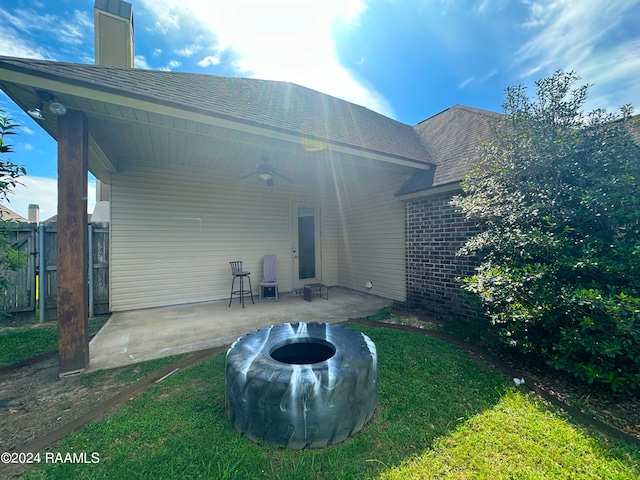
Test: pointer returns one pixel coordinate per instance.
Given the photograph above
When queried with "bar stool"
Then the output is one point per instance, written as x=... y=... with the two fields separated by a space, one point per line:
x=237 y=272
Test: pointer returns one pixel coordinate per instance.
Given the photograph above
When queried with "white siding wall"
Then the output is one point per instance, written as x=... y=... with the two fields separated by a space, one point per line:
x=329 y=232
x=174 y=231
x=371 y=241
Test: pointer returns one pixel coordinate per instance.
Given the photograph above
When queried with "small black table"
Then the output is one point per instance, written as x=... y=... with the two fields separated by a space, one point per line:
x=311 y=288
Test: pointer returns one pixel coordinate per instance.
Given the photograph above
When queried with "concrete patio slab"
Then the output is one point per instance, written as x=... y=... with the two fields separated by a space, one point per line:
x=141 y=335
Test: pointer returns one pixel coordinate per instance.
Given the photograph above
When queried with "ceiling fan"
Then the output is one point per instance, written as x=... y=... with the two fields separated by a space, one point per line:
x=266 y=172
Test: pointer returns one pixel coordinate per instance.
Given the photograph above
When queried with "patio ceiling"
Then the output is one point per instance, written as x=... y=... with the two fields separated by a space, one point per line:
x=152 y=136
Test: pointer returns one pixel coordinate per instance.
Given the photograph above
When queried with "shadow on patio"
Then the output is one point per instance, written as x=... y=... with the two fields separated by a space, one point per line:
x=141 y=335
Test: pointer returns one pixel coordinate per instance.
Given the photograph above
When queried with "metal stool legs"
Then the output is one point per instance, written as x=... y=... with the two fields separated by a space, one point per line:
x=241 y=292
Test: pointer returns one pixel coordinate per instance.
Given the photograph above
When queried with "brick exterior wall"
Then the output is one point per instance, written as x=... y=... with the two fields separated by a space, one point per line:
x=435 y=231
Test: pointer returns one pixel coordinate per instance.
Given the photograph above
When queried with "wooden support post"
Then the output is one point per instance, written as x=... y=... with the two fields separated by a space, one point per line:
x=72 y=249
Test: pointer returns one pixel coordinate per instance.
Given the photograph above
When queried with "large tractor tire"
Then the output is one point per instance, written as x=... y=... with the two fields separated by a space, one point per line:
x=301 y=385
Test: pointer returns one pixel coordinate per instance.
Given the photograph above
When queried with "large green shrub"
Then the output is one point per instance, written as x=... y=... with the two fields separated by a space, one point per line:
x=558 y=195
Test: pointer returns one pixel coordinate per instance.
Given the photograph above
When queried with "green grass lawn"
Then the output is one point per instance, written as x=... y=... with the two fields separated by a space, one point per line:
x=519 y=438
x=441 y=415
x=20 y=343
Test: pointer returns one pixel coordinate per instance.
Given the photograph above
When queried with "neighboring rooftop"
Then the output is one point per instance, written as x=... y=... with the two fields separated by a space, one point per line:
x=7 y=214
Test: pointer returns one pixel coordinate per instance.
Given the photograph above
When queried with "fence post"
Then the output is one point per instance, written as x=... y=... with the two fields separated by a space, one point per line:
x=41 y=271
x=90 y=271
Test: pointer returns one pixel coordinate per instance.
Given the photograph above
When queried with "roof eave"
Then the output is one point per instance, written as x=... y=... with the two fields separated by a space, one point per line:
x=39 y=80
x=448 y=188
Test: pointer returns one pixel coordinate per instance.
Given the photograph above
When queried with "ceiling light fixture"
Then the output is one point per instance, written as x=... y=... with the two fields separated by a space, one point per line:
x=265 y=176
x=55 y=106
x=37 y=111
x=312 y=145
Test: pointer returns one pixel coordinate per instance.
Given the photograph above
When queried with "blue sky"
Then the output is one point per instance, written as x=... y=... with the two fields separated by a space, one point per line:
x=406 y=59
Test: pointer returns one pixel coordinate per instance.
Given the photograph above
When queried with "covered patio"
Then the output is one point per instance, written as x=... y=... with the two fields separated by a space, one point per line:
x=141 y=335
x=196 y=171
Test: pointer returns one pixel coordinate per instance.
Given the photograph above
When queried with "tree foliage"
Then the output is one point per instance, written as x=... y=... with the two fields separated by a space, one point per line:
x=9 y=171
x=10 y=258
x=557 y=193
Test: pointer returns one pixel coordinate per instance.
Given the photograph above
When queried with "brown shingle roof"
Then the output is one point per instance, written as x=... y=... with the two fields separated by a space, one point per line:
x=278 y=105
x=450 y=137
x=453 y=135
x=634 y=128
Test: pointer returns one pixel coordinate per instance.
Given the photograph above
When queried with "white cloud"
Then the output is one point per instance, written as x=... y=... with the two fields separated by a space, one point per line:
x=614 y=75
x=139 y=61
x=288 y=40
x=489 y=75
x=73 y=31
x=482 y=7
x=14 y=45
x=43 y=192
x=189 y=50
x=466 y=82
x=208 y=61
x=26 y=130
x=25 y=32
x=537 y=13
x=577 y=35
x=480 y=79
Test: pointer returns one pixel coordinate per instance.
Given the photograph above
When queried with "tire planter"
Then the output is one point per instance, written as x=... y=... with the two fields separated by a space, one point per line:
x=301 y=385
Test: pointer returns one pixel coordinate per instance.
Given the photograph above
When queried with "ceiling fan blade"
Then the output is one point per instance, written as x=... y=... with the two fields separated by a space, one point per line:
x=257 y=172
x=270 y=182
x=275 y=172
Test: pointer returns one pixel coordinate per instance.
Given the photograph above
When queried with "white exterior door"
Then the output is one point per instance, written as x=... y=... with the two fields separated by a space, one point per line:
x=306 y=244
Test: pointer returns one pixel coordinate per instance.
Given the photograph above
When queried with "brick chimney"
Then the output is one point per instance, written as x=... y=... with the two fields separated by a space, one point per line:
x=113 y=24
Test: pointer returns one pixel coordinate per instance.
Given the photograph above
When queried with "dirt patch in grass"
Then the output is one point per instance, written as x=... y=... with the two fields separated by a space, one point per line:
x=35 y=401
x=36 y=405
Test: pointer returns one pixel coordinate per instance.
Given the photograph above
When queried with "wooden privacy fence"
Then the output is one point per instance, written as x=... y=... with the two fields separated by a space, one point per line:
x=32 y=289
